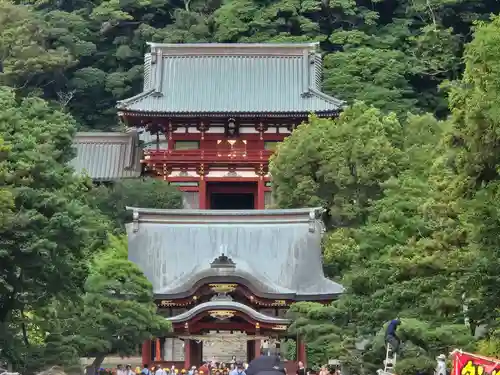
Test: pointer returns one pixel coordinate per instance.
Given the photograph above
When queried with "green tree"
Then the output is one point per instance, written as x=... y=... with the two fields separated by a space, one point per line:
x=49 y=231
x=339 y=164
x=392 y=54
x=28 y=59
x=327 y=335
x=118 y=308
x=473 y=152
x=6 y=197
x=403 y=257
x=491 y=345
x=114 y=314
x=148 y=192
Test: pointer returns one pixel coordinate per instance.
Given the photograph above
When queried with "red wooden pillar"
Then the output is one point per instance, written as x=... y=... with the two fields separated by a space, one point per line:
x=257 y=344
x=301 y=351
x=261 y=200
x=187 y=354
x=146 y=352
x=158 y=356
x=202 y=193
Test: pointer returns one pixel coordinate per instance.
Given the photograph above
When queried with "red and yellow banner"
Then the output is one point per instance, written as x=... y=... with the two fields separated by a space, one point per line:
x=473 y=364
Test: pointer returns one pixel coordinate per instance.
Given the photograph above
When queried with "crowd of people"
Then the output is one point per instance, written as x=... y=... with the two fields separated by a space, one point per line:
x=213 y=367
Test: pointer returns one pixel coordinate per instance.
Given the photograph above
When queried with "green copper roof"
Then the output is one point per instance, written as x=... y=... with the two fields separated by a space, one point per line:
x=277 y=253
x=107 y=156
x=276 y=79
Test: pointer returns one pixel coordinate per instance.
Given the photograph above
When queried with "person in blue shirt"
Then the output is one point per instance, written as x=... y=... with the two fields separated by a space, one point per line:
x=238 y=369
x=145 y=370
x=391 y=337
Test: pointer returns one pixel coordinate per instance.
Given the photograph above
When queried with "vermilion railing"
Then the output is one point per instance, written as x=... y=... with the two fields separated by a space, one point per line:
x=207 y=155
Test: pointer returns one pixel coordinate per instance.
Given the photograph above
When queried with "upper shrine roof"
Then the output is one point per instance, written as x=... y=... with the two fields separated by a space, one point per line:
x=106 y=156
x=232 y=79
x=275 y=253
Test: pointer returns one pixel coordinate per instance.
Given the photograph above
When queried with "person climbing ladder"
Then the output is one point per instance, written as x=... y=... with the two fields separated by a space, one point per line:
x=392 y=343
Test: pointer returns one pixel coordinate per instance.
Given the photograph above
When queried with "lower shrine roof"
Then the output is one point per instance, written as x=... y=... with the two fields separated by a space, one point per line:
x=227 y=305
x=232 y=79
x=275 y=253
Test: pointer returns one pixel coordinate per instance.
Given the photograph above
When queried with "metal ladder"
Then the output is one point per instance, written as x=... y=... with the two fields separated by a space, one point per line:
x=390 y=359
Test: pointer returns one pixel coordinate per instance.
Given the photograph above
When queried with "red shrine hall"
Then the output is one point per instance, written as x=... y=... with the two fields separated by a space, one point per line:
x=217 y=113
x=225 y=276
x=228 y=275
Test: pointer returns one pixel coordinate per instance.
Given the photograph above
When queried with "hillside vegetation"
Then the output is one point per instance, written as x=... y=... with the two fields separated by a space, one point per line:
x=409 y=173
x=86 y=55
x=413 y=219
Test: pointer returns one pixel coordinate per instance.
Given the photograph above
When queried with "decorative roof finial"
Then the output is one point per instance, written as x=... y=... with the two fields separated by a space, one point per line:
x=222 y=261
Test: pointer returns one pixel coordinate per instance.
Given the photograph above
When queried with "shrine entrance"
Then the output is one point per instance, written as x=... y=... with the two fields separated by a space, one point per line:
x=223 y=201
x=221 y=326
x=232 y=195
x=215 y=278
x=194 y=349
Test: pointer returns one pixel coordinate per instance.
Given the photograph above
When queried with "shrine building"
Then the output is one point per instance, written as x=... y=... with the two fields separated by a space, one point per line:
x=227 y=277
x=217 y=112
x=224 y=270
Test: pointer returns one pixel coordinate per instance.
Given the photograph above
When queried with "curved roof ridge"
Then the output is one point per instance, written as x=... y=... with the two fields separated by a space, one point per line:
x=228 y=305
x=329 y=98
x=134 y=99
x=259 y=284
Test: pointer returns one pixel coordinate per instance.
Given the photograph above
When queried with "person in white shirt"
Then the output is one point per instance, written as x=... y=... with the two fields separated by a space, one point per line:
x=120 y=370
x=159 y=371
x=441 y=365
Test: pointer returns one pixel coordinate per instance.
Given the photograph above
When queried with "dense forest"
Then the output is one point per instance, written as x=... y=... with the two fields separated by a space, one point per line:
x=86 y=55
x=409 y=173
x=413 y=221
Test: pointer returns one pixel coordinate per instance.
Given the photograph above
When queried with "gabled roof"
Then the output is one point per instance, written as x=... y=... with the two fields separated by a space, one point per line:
x=232 y=79
x=227 y=305
x=276 y=253
x=107 y=156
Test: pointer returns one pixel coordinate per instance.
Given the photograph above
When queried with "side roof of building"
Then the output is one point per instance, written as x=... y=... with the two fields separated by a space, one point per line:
x=107 y=156
x=232 y=79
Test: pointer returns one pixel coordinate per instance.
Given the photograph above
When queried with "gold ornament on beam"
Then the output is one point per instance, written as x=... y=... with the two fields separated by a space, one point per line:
x=223 y=288
x=166 y=303
x=279 y=302
x=221 y=314
x=280 y=327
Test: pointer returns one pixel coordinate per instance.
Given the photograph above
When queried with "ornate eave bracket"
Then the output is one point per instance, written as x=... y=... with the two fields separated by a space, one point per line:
x=135 y=221
x=315 y=220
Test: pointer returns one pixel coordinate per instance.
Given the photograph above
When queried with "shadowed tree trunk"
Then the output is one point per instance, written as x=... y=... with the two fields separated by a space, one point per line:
x=96 y=364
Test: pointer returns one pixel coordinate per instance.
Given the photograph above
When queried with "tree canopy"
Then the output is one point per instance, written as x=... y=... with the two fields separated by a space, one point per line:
x=113 y=199
x=118 y=311
x=67 y=289
x=413 y=213
x=47 y=230
x=86 y=56
x=408 y=173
